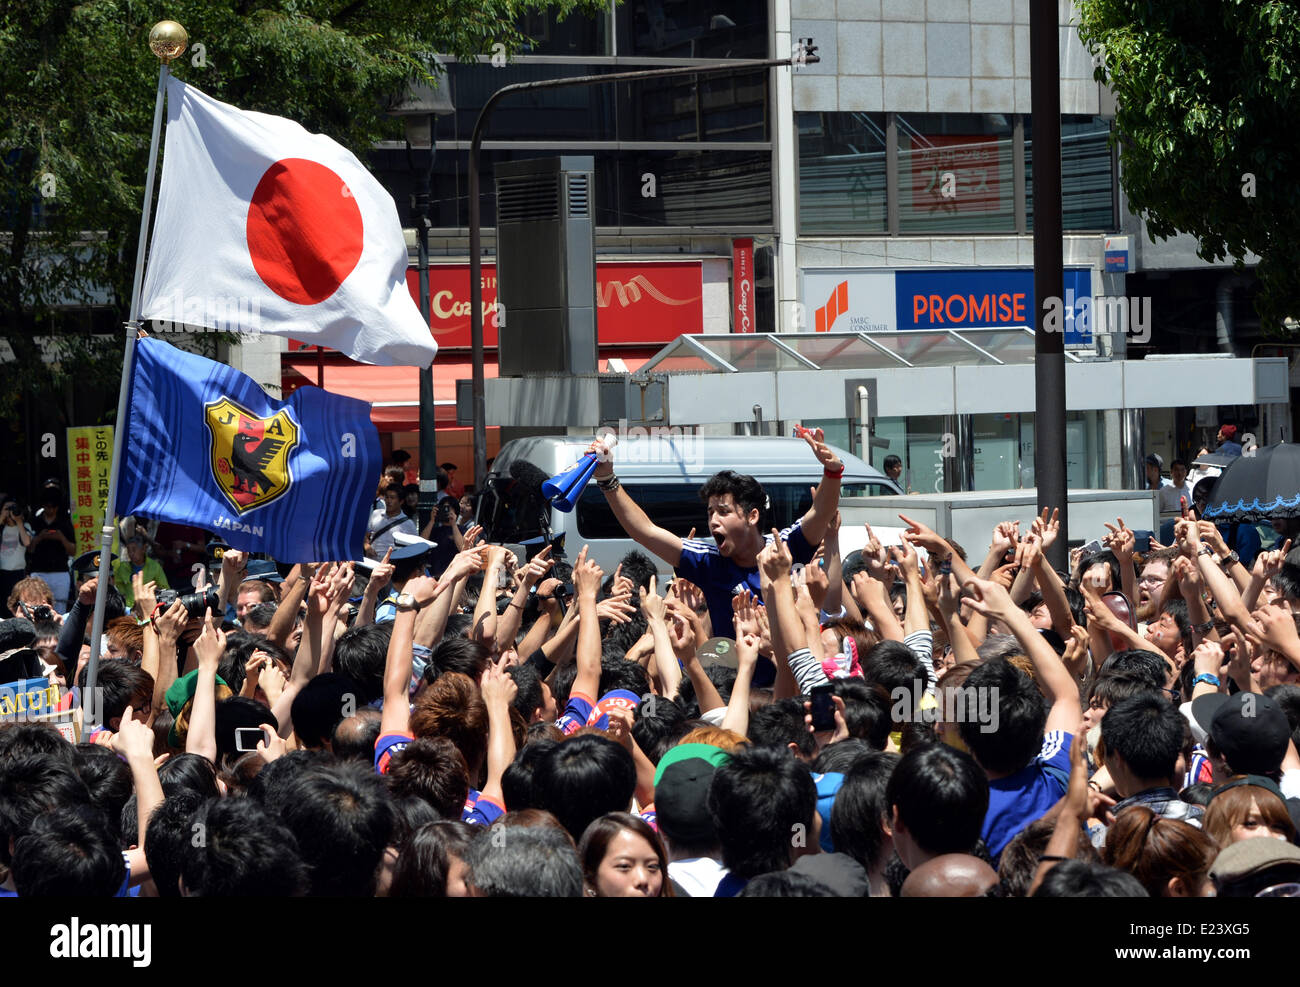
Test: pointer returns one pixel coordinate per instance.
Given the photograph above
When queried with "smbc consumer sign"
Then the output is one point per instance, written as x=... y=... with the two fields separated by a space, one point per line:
x=847 y=300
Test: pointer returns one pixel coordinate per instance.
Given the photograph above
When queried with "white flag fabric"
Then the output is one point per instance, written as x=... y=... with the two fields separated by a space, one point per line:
x=263 y=226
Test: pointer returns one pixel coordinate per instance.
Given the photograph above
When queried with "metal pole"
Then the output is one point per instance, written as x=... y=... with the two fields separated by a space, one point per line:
x=124 y=397
x=809 y=57
x=428 y=417
x=1049 y=271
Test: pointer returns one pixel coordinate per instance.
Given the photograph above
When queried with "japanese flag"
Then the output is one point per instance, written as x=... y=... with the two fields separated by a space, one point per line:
x=265 y=227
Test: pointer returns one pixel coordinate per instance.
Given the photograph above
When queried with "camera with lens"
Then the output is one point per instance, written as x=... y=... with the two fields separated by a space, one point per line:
x=42 y=612
x=195 y=603
x=563 y=594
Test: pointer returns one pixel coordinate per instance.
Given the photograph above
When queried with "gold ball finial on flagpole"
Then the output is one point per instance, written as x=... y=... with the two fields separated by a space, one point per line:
x=168 y=40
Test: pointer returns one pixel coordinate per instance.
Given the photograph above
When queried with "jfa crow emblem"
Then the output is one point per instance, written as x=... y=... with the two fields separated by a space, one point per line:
x=250 y=455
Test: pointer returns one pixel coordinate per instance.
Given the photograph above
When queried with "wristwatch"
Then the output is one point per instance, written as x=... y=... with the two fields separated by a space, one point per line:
x=407 y=603
x=1205 y=550
x=1231 y=559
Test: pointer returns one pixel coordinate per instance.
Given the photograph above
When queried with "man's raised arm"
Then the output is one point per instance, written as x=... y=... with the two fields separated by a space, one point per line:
x=631 y=517
x=827 y=499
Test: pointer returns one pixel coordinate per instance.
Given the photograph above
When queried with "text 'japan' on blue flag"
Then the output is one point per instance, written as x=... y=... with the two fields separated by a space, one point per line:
x=204 y=445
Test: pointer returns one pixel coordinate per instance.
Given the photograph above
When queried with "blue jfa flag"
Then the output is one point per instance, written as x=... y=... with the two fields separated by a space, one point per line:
x=206 y=446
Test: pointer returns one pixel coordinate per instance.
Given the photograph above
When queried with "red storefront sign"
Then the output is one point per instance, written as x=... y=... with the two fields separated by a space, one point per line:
x=742 y=285
x=956 y=174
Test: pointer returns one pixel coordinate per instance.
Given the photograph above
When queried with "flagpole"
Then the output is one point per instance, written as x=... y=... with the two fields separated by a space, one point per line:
x=168 y=40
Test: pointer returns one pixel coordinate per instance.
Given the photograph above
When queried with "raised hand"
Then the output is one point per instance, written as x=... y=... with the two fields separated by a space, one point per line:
x=86 y=595
x=1047 y=528
x=1121 y=540
x=1006 y=535
x=133 y=740
x=652 y=604
x=146 y=594
x=382 y=574
x=824 y=453
x=1029 y=552
x=538 y=567
x=918 y=534
x=689 y=594
x=1275 y=626
x=171 y=623
x=498 y=687
x=989 y=598
x=587 y=575
x=775 y=559
x=906 y=557
x=211 y=645
x=1269 y=564
x=745 y=613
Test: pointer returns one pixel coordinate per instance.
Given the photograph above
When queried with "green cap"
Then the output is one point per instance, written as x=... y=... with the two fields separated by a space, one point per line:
x=178 y=694
x=684 y=752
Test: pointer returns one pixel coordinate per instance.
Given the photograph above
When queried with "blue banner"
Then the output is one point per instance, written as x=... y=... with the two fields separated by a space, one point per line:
x=981 y=299
x=206 y=446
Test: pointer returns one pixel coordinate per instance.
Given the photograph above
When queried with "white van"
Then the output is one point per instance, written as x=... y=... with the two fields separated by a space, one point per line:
x=664 y=476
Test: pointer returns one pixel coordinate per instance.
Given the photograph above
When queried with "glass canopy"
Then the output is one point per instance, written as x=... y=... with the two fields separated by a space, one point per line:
x=736 y=352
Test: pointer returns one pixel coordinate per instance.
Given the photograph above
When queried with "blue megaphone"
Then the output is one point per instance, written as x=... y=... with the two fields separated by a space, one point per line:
x=564 y=490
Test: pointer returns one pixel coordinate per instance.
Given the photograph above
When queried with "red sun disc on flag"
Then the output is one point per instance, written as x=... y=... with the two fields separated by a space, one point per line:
x=305 y=233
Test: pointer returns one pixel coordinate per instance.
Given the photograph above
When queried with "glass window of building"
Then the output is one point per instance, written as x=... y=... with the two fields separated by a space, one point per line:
x=841 y=173
x=1087 y=174
x=955 y=173
x=690 y=29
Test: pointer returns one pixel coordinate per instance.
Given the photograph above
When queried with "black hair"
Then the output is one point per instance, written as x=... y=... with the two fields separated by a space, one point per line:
x=1084 y=879
x=1019 y=859
x=1022 y=716
x=260 y=615
x=529 y=862
x=941 y=796
x=108 y=780
x=409 y=814
x=779 y=724
x=341 y=816
x=1076 y=602
x=866 y=710
x=562 y=680
x=583 y=778
x=657 y=724
x=360 y=653
x=638 y=567
x=167 y=839
x=189 y=773
x=745 y=491
x=271 y=785
x=1105 y=557
x=240 y=850
x=860 y=809
x=892 y=461
x=1147 y=732
x=235 y=713
x=529 y=697
x=423 y=862
x=457 y=654
x=760 y=801
x=1111 y=688
x=622 y=674
x=841 y=756
x=785 y=884
x=517 y=780
x=432 y=769
x=1287 y=579
x=321 y=704
x=895 y=667
x=851 y=565
x=240 y=646
x=119 y=683
x=1287 y=698
x=1177 y=607
x=32 y=785
x=1140 y=663
x=23 y=739
x=68 y=851
x=354 y=737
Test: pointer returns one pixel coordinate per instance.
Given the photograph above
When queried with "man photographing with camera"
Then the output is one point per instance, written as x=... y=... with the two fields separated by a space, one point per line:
x=53 y=543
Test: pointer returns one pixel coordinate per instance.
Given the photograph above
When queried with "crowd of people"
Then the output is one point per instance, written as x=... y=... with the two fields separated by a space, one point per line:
x=778 y=719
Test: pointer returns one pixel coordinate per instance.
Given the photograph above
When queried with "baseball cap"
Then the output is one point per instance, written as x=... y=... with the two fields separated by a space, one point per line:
x=1254 y=864
x=1155 y=460
x=1250 y=730
x=1229 y=431
x=682 y=801
x=682 y=752
x=615 y=699
x=718 y=651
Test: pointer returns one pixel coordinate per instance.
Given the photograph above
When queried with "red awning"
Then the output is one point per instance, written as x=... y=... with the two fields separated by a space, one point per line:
x=394 y=392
